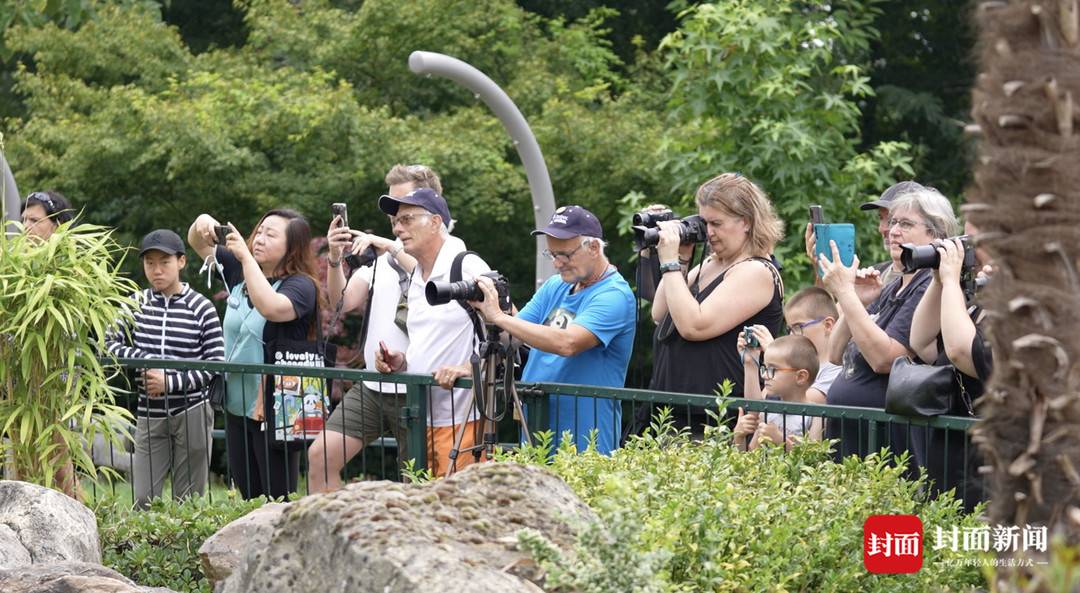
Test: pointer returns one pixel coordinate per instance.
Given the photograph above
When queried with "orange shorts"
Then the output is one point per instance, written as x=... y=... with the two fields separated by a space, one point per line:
x=440 y=440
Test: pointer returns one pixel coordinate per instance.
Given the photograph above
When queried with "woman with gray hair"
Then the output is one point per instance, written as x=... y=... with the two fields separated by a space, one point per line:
x=875 y=321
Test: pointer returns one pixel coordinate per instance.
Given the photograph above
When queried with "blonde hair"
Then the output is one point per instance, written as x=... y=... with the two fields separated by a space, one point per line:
x=798 y=352
x=737 y=196
x=418 y=175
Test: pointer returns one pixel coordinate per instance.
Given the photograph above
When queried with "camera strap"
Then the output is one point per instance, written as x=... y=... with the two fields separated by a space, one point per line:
x=455 y=276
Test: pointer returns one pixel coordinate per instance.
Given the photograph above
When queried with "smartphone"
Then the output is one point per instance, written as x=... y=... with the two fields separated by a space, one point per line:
x=222 y=231
x=844 y=236
x=816 y=216
x=339 y=209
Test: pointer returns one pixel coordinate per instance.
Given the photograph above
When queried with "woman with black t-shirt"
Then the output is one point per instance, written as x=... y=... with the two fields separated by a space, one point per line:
x=700 y=312
x=875 y=321
x=273 y=295
x=946 y=330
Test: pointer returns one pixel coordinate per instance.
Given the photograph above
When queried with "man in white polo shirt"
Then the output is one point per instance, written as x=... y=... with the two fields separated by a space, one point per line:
x=441 y=337
x=371 y=408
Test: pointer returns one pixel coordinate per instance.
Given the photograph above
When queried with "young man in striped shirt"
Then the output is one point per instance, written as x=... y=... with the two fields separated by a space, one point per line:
x=174 y=418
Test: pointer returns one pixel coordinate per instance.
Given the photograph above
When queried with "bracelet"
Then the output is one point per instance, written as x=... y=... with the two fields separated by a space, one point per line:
x=332 y=263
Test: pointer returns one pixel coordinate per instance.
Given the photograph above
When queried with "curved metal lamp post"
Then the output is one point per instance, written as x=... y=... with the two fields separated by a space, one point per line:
x=9 y=191
x=423 y=62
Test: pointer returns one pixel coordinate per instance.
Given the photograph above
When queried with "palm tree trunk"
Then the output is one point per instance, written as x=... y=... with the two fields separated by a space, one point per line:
x=1026 y=201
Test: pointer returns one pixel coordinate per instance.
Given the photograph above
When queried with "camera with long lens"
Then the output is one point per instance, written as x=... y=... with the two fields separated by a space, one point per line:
x=650 y=218
x=691 y=230
x=440 y=293
x=919 y=257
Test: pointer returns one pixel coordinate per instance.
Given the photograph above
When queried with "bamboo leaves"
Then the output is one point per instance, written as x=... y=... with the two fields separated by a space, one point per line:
x=58 y=297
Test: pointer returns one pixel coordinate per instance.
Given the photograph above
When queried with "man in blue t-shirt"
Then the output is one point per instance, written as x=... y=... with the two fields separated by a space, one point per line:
x=580 y=325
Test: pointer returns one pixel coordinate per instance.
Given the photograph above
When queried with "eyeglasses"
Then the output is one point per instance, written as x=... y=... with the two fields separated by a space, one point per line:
x=798 y=328
x=904 y=224
x=769 y=372
x=562 y=258
x=406 y=219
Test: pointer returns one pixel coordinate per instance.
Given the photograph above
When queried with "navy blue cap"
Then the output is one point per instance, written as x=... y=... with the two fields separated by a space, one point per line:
x=893 y=192
x=572 y=221
x=426 y=198
x=162 y=240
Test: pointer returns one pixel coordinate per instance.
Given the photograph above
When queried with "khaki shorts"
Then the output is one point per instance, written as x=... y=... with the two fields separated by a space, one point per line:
x=367 y=414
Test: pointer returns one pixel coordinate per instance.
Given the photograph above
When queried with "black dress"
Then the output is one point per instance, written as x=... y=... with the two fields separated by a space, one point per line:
x=684 y=366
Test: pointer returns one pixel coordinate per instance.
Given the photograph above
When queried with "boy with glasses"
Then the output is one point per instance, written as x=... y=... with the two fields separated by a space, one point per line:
x=789 y=367
x=811 y=313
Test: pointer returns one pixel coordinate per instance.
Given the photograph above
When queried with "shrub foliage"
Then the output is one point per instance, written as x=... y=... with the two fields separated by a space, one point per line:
x=707 y=517
x=159 y=547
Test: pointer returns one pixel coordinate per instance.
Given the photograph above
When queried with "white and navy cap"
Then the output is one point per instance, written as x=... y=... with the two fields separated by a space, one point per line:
x=572 y=221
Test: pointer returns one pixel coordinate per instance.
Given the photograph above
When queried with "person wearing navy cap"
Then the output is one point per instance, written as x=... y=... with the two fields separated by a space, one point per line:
x=580 y=325
x=173 y=419
x=440 y=336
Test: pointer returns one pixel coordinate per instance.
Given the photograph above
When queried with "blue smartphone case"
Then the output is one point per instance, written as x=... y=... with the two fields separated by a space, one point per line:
x=844 y=236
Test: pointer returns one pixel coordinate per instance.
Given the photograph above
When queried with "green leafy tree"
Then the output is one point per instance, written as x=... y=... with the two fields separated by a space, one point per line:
x=317 y=106
x=771 y=89
x=57 y=299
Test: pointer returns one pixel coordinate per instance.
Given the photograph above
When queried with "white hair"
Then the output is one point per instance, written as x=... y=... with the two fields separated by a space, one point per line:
x=586 y=241
x=934 y=208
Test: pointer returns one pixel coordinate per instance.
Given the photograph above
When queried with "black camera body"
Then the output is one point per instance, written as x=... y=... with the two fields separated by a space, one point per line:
x=919 y=257
x=440 y=293
x=691 y=230
x=751 y=339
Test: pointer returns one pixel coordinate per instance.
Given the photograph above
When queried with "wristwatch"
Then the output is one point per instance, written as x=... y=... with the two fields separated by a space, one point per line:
x=671 y=266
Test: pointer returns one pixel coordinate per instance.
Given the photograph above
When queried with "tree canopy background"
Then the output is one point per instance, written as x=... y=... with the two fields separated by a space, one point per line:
x=146 y=114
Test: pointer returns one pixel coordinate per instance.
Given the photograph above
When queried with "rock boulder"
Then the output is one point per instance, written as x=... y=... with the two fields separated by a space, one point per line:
x=69 y=577
x=456 y=534
x=221 y=553
x=39 y=525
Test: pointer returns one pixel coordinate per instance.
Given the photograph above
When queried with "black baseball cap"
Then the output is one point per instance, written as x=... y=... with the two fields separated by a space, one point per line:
x=572 y=221
x=893 y=192
x=425 y=197
x=162 y=240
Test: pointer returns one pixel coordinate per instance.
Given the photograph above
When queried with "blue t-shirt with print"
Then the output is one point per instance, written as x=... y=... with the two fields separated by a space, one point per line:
x=606 y=309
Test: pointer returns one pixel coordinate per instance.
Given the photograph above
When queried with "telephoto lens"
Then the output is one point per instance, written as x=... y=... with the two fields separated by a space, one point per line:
x=691 y=230
x=650 y=218
x=440 y=293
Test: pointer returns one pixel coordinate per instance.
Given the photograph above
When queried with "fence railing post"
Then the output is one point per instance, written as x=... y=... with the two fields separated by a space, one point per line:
x=415 y=418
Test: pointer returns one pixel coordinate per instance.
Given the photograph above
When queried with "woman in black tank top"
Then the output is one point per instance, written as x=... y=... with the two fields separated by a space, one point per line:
x=700 y=312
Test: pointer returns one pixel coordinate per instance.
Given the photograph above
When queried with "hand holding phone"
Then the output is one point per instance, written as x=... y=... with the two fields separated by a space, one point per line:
x=339 y=209
x=221 y=232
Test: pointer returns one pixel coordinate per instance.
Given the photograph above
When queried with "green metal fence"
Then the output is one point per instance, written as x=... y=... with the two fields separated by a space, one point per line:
x=870 y=428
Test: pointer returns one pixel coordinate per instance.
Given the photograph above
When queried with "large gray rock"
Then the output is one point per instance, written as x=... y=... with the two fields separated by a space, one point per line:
x=69 y=577
x=221 y=553
x=456 y=534
x=43 y=525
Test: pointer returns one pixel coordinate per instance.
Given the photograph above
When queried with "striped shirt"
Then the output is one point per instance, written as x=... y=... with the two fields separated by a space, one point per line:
x=184 y=326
